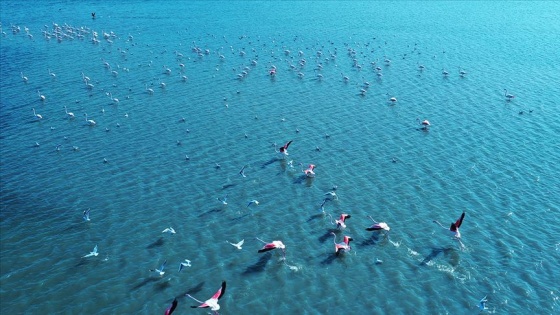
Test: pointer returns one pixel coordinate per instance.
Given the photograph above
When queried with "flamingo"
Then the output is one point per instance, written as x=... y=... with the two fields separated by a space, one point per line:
x=70 y=114
x=340 y=223
x=41 y=96
x=150 y=91
x=377 y=226
x=284 y=148
x=508 y=96
x=212 y=302
x=52 y=74
x=392 y=99
x=24 y=78
x=91 y=122
x=344 y=246
x=454 y=228
x=115 y=100
x=309 y=171
x=38 y=116
x=272 y=245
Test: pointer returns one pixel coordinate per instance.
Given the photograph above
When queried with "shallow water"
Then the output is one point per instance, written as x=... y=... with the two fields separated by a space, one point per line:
x=481 y=155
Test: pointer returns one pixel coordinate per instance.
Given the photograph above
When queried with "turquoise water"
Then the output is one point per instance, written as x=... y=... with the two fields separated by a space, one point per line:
x=481 y=155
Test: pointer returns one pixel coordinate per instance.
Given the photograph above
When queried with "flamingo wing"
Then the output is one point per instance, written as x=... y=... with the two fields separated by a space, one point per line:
x=171 y=308
x=267 y=248
x=287 y=145
x=220 y=292
x=460 y=220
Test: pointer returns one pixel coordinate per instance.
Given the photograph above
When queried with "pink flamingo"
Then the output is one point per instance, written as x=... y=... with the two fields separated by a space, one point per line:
x=212 y=302
x=344 y=246
x=309 y=172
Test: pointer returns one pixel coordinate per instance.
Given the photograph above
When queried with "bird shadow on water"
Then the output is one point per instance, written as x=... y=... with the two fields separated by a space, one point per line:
x=215 y=210
x=192 y=290
x=157 y=243
x=259 y=266
x=334 y=257
x=162 y=285
x=144 y=282
x=375 y=239
x=271 y=161
x=315 y=217
x=226 y=186
x=449 y=252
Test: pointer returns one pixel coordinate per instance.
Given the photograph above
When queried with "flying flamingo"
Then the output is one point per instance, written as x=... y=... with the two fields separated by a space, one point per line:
x=273 y=245
x=309 y=171
x=340 y=223
x=454 y=228
x=424 y=123
x=284 y=149
x=342 y=247
x=378 y=226
x=212 y=302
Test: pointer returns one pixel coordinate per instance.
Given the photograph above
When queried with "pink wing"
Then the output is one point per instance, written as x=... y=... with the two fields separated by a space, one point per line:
x=220 y=292
x=460 y=221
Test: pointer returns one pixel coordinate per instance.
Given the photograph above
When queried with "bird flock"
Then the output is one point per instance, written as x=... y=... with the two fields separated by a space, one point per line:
x=246 y=56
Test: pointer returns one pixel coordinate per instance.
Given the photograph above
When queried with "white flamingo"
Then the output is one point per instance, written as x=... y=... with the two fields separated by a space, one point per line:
x=24 y=78
x=70 y=114
x=150 y=91
x=38 y=116
x=52 y=74
x=115 y=100
x=91 y=122
x=41 y=96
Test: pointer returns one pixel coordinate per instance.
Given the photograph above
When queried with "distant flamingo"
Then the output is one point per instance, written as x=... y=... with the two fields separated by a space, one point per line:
x=38 y=116
x=284 y=148
x=508 y=96
x=150 y=91
x=115 y=100
x=24 y=78
x=91 y=122
x=41 y=96
x=309 y=172
x=70 y=114
x=52 y=74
